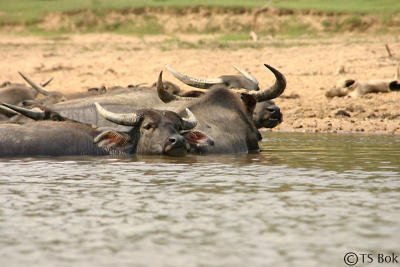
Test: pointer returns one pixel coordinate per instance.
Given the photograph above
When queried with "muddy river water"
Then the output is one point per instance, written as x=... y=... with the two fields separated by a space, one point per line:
x=305 y=200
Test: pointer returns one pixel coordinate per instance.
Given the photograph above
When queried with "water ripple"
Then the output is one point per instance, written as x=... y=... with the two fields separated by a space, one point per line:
x=304 y=201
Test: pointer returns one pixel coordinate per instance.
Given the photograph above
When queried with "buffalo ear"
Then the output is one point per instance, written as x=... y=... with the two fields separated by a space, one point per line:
x=249 y=101
x=197 y=137
x=113 y=140
x=199 y=142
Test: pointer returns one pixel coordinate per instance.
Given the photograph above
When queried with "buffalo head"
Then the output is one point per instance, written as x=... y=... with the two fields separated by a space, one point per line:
x=15 y=93
x=153 y=131
x=266 y=94
x=267 y=114
x=150 y=131
x=50 y=97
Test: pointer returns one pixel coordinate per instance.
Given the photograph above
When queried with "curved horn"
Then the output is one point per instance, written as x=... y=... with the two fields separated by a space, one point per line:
x=38 y=88
x=194 y=82
x=127 y=119
x=246 y=74
x=35 y=115
x=163 y=94
x=166 y=96
x=275 y=90
x=190 y=122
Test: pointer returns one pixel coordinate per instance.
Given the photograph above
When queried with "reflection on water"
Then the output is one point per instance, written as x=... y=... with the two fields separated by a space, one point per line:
x=305 y=200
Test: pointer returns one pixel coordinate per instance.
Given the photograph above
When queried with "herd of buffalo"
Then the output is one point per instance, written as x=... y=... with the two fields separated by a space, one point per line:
x=221 y=115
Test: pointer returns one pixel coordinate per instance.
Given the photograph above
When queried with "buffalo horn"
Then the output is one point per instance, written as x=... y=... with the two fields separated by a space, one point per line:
x=246 y=74
x=194 y=82
x=275 y=90
x=36 y=86
x=163 y=94
x=166 y=96
x=35 y=115
x=190 y=122
x=127 y=119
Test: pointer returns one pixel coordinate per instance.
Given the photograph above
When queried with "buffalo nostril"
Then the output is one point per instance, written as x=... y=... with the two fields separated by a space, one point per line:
x=172 y=140
x=273 y=109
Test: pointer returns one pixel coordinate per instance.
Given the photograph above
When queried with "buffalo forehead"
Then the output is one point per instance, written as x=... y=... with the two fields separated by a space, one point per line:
x=160 y=116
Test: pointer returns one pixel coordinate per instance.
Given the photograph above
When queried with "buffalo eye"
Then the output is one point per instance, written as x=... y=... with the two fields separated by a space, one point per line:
x=148 y=126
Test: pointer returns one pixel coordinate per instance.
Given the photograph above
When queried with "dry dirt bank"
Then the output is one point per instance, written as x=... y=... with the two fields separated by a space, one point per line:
x=83 y=61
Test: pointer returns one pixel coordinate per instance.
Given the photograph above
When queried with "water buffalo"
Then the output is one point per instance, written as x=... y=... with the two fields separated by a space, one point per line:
x=353 y=88
x=130 y=99
x=150 y=131
x=15 y=93
x=224 y=116
x=53 y=97
x=266 y=114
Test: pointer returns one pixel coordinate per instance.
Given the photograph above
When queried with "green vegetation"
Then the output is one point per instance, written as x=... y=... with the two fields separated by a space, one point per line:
x=172 y=43
x=149 y=25
x=240 y=36
x=350 y=23
x=358 y=6
x=146 y=17
x=292 y=28
x=29 y=11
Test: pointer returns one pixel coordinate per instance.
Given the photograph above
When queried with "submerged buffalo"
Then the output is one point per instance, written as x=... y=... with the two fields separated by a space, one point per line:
x=53 y=97
x=16 y=93
x=149 y=131
x=225 y=123
x=128 y=99
x=225 y=115
x=266 y=114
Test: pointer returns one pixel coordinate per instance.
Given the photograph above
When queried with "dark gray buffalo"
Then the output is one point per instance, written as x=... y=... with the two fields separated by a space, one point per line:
x=16 y=93
x=266 y=114
x=120 y=99
x=53 y=97
x=224 y=116
x=225 y=123
x=149 y=131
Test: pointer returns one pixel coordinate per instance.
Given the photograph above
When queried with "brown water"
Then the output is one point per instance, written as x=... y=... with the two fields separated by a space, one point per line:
x=305 y=200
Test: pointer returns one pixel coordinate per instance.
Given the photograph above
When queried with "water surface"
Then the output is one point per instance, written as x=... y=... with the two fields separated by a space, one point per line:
x=305 y=200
